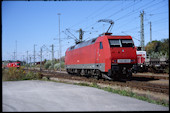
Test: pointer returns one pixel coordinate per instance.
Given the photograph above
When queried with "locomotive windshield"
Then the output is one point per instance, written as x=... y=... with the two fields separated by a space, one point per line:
x=114 y=43
x=121 y=43
x=127 y=43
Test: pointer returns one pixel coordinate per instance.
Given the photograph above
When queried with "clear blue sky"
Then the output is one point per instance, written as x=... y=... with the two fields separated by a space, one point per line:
x=25 y=23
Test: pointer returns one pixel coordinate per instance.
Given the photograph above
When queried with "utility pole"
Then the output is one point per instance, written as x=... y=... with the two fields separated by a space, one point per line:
x=52 y=55
x=30 y=62
x=14 y=55
x=150 y=32
x=41 y=59
x=23 y=59
x=27 y=60
x=142 y=31
x=34 y=56
x=59 y=40
x=16 y=49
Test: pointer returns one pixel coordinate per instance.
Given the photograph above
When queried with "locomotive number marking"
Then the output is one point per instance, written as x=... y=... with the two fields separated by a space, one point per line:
x=123 y=60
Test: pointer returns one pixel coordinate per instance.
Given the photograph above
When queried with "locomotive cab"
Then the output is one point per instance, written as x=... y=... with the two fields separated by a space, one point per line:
x=123 y=56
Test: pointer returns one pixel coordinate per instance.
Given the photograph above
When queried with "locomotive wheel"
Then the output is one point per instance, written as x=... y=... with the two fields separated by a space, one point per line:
x=113 y=75
x=98 y=75
x=78 y=72
x=68 y=71
x=129 y=75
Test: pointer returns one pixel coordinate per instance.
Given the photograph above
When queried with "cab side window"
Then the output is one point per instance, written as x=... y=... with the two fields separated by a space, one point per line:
x=101 y=45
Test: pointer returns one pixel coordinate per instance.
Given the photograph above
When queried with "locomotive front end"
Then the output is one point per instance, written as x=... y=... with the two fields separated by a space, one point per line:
x=123 y=56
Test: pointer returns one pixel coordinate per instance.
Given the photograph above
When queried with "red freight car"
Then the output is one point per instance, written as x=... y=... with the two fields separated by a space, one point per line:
x=13 y=64
x=105 y=56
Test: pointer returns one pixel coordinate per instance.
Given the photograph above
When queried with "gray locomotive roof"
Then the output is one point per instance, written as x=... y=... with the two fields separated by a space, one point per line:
x=83 y=44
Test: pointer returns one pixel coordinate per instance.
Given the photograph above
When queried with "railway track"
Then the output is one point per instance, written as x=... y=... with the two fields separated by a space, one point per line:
x=140 y=85
x=152 y=76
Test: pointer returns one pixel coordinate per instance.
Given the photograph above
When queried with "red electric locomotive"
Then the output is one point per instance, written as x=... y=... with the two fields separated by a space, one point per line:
x=106 y=56
x=13 y=64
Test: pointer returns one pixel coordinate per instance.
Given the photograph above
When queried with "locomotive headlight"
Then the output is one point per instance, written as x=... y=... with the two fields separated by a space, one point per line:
x=113 y=61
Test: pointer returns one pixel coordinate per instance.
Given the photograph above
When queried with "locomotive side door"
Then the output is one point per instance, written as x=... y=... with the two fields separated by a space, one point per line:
x=99 y=48
x=97 y=53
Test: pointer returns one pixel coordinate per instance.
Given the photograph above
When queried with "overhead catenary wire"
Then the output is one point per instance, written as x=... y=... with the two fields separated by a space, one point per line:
x=122 y=9
x=157 y=21
x=94 y=25
x=136 y=10
x=114 y=13
x=132 y=12
x=88 y=16
x=99 y=14
x=97 y=22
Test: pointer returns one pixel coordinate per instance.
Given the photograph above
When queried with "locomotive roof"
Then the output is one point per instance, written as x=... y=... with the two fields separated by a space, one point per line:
x=120 y=37
x=82 y=44
x=91 y=41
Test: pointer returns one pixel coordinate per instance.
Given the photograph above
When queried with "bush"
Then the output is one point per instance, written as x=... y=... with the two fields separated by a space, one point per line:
x=57 y=65
x=62 y=65
x=47 y=64
x=13 y=74
x=31 y=76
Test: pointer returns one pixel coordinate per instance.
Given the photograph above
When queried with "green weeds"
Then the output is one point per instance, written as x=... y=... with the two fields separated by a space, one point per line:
x=14 y=74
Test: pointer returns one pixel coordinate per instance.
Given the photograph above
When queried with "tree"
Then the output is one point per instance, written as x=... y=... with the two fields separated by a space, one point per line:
x=153 y=46
x=165 y=46
x=45 y=60
x=158 y=48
